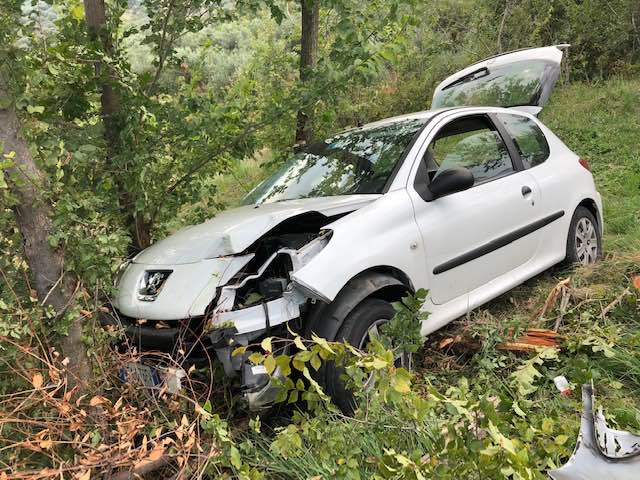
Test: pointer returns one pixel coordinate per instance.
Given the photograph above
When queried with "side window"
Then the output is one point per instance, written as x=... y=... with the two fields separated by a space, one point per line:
x=529 y=139
x=473 y=143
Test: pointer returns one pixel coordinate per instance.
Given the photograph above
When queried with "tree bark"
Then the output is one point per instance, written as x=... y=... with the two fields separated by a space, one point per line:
x=308 y=62
x=95 y=18
x=54 y=286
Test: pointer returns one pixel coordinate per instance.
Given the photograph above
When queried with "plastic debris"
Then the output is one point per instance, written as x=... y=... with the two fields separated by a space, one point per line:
x=562 y=384
x=173 y=379
x=601 y=452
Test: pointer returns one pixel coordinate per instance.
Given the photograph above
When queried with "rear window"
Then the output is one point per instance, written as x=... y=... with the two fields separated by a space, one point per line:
x=509 y=85
x=528 y=137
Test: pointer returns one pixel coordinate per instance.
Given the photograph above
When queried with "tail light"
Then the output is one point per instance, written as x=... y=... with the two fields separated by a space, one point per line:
x=584 y=163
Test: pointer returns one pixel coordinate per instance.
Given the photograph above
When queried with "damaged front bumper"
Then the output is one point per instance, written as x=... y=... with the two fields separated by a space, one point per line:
x=244 y=300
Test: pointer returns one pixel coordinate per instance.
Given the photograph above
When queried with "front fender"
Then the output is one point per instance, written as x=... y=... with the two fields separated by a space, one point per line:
x=382 y=233
x=326 y=318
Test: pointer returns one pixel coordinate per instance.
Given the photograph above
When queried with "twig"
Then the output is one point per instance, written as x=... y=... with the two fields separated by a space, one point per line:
x=144 y=468
x=553 y=296
x=616 y=302
x=564 y=303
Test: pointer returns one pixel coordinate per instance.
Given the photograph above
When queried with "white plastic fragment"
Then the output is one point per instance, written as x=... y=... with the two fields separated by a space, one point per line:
x=173 y=379
x=562 y=384
x=601 y=452
x=258 y=369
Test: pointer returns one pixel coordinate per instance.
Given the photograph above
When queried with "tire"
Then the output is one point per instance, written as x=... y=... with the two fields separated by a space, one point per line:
x=584 y=241
x=354 y=330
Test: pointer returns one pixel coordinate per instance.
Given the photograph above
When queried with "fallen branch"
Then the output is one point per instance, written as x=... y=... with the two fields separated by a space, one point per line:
x=532 y=339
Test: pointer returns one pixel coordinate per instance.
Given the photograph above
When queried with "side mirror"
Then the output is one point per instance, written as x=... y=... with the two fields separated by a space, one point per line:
x=451 y=181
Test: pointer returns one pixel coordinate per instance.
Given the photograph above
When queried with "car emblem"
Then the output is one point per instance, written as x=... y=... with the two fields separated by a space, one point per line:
x=151 y=283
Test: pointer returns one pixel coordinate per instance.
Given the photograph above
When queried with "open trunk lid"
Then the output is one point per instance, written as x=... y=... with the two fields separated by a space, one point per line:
x=522 y=79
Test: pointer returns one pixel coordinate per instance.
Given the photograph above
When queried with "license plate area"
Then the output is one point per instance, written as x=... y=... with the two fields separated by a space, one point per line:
x=142 y=375
x=148 y=376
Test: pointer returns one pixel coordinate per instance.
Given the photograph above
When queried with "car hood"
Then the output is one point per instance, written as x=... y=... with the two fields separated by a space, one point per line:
x=234 y=230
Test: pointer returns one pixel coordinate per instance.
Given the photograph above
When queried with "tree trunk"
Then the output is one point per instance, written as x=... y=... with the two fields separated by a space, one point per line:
x=95 y=18
x=308 y=62
x=53 y=285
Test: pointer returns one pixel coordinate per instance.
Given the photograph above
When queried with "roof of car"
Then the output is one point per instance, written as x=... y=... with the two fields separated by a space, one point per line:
x=424 y=115
x=428 y=114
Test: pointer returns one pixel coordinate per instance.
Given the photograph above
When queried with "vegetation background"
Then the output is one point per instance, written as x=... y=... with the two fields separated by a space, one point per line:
x=121 y=122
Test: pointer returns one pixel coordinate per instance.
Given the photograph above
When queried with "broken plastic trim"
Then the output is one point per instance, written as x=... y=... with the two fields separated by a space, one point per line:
x=309 y=291
x=600 y=452
x=280 y=310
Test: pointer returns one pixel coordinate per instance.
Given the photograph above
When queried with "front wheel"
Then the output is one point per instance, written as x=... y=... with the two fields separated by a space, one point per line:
x=359 y=326
x=584 y=242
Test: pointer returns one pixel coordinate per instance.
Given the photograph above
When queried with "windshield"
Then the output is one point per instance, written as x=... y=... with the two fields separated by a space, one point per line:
x=509 y=85
x=353 y=162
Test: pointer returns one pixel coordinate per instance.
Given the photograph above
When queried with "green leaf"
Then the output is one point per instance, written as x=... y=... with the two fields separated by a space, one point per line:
x=388 y=54
x=270 y=364
x=323 y=343
x=77 y=12
x=35 y=109
x=256 y=358
x=315 y=362
x=239 y=351
x=284 y=362
x=234 y=456
x=518 y=410
x=401 y=381
x=299 y=343
x=53 y=70
x=303 y=356
x=298 y=365
x=266 y=345
x=376 y=363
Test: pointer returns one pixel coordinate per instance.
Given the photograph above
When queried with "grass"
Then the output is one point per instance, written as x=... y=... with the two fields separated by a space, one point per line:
x=602 y=123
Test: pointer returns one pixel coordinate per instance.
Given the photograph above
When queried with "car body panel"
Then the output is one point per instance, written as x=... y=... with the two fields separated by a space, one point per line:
x=459 y=223
x=180 y=291
x=600 y=452
x=383 y=234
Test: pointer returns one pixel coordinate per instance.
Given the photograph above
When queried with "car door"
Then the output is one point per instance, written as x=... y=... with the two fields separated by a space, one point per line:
x=477 y=235
x=522 y=79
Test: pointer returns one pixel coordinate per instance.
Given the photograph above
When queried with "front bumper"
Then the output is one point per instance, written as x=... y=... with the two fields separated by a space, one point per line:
x=170 y=337
x=188 y=344
x=209 y=308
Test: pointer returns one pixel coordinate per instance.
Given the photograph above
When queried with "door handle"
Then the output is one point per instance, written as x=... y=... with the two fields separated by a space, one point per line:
x=526 y=191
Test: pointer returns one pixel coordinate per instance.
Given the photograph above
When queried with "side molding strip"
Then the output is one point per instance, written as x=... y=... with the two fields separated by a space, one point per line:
x=497 y=243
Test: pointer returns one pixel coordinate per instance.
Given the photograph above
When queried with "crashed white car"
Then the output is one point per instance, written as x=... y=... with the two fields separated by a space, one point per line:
x=464 y=201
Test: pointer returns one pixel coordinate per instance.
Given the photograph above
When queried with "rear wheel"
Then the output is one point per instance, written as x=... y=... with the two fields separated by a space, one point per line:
x=362 y=323
x=584 y=242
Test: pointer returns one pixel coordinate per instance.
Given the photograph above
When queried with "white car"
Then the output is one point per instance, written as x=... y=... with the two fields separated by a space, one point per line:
x=464 y=201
